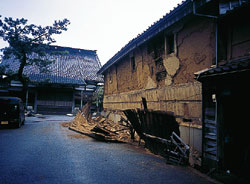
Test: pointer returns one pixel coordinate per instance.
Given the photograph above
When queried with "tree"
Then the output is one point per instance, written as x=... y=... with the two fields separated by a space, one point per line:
x=25 y=40
x=97 y=98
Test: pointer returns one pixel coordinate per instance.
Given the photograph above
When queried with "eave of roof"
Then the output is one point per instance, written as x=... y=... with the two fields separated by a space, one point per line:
x=178 y=13
x=72 y=51
x=234 y=66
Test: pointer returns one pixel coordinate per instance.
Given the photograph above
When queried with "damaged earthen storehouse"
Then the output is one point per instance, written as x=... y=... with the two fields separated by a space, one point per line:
x=160 y=63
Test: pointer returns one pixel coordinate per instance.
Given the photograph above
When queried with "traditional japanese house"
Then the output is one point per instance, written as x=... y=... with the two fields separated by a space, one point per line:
x=69 y=82
x=226 y=92
x=160 y=63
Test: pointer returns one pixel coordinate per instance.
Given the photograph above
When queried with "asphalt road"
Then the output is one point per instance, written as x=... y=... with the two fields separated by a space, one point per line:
x=42 y=151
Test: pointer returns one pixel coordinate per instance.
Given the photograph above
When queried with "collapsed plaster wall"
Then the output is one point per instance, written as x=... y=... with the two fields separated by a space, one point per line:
x=182 y=99
x=165 y=79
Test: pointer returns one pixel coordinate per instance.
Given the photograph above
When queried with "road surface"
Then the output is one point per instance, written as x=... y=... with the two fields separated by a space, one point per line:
x=43 y=151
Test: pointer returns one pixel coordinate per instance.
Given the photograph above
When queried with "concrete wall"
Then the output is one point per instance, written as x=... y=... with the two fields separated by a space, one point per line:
x=192 y=136
x=166 y=80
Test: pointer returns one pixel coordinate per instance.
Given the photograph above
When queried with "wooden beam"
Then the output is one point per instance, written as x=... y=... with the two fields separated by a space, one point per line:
x=144 y=102
x=164 y=141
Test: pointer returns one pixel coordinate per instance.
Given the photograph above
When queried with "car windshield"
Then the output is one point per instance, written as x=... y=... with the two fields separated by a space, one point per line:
x=7 y=106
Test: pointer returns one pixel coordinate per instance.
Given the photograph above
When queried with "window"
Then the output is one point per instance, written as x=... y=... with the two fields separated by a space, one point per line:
x=156 y=46
x=132 y=60
x=170 y=44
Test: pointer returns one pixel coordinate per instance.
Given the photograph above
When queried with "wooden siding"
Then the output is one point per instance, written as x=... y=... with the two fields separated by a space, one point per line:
x=54 y=102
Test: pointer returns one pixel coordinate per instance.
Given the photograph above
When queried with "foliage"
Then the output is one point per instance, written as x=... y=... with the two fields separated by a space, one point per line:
x=28 y=42
x=97 y=97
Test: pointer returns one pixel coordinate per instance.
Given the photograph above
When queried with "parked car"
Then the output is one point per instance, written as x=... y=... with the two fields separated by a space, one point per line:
x=11 y=111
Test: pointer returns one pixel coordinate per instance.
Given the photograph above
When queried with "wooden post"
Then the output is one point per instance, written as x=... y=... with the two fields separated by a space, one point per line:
x=35 y=103
x=165 y=45
x=27 y=98
x=144 y=102
x=73 y=101
x=81 y=98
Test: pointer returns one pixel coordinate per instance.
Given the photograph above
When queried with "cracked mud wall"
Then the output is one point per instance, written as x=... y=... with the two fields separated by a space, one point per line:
x=184 y=100
x=195 y=50
x=110 y=81
x=195 y=45
x=165 y=80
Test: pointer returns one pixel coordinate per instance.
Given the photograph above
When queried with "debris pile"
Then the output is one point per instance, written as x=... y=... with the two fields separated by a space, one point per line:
x=177 y=151
x=157 y=129
x=161 y=139
x=101 y=128
x=195 y=158
x=160 y=132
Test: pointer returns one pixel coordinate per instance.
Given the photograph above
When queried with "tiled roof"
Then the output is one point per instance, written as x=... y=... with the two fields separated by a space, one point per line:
x=178 y=13
x=76 y=67
x=183 y=9
x=234 y=66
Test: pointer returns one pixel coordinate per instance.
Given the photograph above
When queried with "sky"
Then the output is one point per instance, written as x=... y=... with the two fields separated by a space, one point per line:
x=102 y=25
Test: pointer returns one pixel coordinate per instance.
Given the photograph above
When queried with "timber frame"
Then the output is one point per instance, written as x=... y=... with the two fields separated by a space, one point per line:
x=67 y=85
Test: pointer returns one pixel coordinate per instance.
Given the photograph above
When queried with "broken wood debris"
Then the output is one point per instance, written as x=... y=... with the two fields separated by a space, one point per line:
x=176 y=150
x=160 y=131
x=101 y=128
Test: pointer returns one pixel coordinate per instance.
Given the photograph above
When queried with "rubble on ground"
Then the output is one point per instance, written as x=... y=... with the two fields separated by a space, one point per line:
x=160 y=131
x=102 y=128
x=136 y=125
x=194 y=158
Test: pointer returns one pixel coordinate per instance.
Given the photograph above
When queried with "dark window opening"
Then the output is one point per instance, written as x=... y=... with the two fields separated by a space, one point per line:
x=156 y=46
x=170 y=44
x=161 y=75
x=132 y=59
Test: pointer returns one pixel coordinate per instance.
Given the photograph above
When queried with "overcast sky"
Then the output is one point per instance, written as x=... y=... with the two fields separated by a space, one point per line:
x=102 y=25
